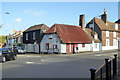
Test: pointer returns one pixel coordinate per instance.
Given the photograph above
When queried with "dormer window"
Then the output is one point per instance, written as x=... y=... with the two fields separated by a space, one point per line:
x=106 y=24
x=50 y=36
x=96 y=36
x=116 y=26
x=90 y=25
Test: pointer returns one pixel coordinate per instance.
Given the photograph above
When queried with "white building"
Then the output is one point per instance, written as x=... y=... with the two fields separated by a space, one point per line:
x=62 y=38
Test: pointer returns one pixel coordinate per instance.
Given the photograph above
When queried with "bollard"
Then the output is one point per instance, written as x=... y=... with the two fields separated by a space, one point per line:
x=107 y=73
x=92 y=70
x=115 y=65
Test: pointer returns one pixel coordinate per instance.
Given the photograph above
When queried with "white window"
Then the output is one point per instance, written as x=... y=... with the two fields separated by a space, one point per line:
x=107 y=42
x=116 y=26
x=26 y=36
x=91 y=25
x=50 y=36
x=33 y=35
x=114 y=34
x=96 y=36
x=107 y=33
x=51 y=46
x=114 y=42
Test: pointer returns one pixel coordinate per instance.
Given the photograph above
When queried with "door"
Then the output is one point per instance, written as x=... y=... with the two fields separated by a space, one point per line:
x=72 y=48
x=47 y=46
x=100 y=46
x=67 y=48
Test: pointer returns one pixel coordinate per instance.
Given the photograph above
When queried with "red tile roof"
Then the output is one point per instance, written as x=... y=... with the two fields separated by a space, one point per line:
x=89 y=33
x=102 y=25
x=69 y=33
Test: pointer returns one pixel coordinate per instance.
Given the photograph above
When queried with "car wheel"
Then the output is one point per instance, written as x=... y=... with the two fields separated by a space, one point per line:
x=3 y=59
x=14 y=57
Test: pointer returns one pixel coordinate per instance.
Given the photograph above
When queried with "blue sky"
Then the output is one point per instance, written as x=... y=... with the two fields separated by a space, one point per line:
x=25 y=14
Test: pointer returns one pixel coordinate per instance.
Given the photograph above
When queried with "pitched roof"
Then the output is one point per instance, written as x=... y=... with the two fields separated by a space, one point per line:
x=37 y=27
x=118 y=21
x=89 y=33
x=69 y=33
x=102 y=25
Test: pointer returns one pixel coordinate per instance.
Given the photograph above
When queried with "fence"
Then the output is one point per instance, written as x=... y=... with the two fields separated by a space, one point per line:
x=107 y=71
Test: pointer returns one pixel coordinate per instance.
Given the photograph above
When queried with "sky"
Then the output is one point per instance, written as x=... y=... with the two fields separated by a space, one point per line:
x=26 y=14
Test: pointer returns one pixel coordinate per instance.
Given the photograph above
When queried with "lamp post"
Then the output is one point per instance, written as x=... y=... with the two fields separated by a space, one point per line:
x=5 y=21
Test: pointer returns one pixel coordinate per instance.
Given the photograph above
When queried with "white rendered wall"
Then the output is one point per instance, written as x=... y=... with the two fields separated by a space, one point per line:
x=86 y=48
x=54 y=41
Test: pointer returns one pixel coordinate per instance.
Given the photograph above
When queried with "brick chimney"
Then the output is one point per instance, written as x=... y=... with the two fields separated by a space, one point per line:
x=82 y=21
x=104 y=16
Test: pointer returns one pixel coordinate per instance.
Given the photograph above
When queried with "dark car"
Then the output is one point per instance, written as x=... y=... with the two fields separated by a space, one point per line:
x=7 y=54
x=19 y=49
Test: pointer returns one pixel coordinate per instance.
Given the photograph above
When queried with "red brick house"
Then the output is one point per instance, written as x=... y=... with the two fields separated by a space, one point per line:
x=118 y=21
x=107 y=31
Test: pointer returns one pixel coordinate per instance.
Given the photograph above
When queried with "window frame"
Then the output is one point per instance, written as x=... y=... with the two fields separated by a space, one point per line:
x=114 y=42
x=34 y=36
x=114 y=34
x=107 y=33
x=107 y=42
x=26 y=36
x=83 y=45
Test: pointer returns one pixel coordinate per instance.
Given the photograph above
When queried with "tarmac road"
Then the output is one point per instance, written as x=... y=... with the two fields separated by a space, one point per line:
x=54 y=65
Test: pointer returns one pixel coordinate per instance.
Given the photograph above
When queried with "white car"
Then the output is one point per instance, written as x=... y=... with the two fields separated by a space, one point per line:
x=20 y=50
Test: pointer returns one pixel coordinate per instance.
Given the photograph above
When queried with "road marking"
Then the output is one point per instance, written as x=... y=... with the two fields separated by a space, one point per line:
x=33 y=56
x=42 y=60
x=97 y=55
x=29 y=62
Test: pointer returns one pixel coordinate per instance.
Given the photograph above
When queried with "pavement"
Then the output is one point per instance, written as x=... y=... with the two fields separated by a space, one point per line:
x=55 y=65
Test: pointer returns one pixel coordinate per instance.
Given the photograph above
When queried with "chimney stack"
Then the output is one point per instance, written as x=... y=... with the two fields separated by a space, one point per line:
x=14 y=31
x=104 y=17
x=82 y=21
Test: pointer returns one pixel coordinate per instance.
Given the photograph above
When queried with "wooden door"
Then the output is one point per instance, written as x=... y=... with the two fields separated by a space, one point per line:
x=67 y=48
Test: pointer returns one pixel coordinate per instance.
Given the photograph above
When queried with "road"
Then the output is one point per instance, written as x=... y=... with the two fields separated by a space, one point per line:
x=54 y=65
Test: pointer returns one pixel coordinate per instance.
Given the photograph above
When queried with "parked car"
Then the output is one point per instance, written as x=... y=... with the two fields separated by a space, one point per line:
x=7 y=54
x=19 y=49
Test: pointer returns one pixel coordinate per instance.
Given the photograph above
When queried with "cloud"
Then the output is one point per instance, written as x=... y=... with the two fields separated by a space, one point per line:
x=18 y=20
x=35 y=13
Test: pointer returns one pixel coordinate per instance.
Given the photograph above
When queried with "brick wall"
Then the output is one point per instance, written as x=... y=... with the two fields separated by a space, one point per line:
x=110 y=37
x=103 y=38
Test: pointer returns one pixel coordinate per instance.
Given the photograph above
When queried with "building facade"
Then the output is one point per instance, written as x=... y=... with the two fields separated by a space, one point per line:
x=62 y=38
x=118 y=21
x=96 y=43
x=32 y=37
x=107 y=31
x=15 y=39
